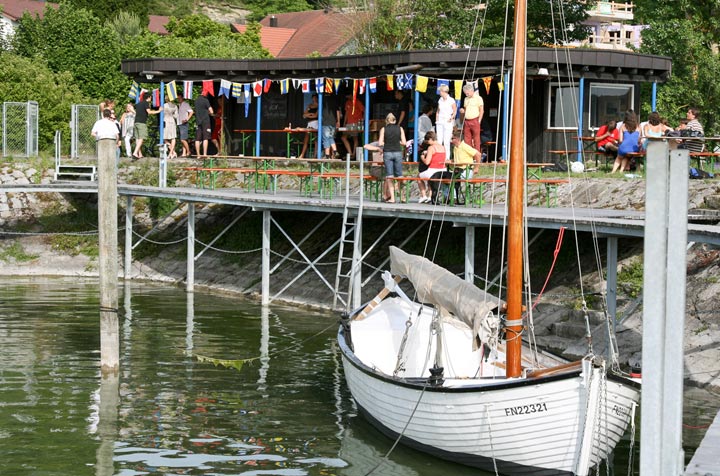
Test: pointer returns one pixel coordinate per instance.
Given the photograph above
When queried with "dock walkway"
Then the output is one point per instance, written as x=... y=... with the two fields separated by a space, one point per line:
x=706 y=460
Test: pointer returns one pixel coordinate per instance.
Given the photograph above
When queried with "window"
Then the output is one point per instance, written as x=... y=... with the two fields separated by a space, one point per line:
x=563 y=107
x=609 y=101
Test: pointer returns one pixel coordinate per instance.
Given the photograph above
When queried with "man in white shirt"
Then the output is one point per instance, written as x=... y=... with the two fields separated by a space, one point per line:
x=105 y=128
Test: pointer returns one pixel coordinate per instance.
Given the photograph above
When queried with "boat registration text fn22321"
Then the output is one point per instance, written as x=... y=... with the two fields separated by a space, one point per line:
x=526 y=409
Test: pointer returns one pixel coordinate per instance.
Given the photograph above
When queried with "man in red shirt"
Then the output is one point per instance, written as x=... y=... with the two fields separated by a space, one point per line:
x=607 y=138
x=354 y=112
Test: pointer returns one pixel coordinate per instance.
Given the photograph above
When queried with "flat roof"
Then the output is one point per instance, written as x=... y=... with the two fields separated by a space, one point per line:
x=449 y=63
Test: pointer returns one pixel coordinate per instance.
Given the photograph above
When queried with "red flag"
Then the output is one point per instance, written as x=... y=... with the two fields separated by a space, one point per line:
x=257 y=88
x=305 y=85
x=487 y=80
x=266 y=87
x=208 y=86
x=355 y=91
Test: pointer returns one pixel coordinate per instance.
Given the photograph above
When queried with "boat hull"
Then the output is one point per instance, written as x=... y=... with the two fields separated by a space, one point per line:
x=521 y=426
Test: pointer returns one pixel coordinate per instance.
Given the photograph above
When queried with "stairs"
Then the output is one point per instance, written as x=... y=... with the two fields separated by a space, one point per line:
x=75 y=173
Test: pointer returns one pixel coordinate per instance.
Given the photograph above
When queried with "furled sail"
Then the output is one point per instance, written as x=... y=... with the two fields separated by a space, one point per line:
x=454 y=297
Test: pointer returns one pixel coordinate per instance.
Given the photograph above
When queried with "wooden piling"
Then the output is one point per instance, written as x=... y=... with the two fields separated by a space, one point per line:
x=108 y=260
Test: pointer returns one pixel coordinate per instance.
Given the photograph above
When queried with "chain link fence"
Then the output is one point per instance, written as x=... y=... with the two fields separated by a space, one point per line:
x=20 y=129
x=82 y=144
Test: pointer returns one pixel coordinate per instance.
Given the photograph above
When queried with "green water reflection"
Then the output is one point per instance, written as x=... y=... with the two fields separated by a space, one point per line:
x=286 y=413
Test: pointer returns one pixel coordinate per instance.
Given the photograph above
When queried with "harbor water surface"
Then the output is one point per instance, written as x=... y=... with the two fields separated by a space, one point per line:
x=285 y=411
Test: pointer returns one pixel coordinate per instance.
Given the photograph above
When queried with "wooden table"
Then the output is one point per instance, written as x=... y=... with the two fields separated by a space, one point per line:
x=248 y=134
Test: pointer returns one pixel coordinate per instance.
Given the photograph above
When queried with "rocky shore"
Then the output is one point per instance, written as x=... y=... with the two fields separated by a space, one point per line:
x=27 y=250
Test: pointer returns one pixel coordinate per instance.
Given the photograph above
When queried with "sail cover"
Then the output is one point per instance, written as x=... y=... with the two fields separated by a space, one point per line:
x=454 y=297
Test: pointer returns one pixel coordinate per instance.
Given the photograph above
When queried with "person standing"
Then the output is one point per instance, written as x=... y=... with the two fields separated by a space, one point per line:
x=170 y=117
x=392 y=141
x=403 y=108
x=311 y=114
x=354 y=113
x=445 y=118
x=127 y=123
x=203 y=110
x=105 y=128
x=185 y=112
x=142 y=111
x=473 y=112
x=330 y=123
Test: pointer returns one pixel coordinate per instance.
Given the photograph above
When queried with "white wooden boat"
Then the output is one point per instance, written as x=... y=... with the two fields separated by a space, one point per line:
x=448 y=376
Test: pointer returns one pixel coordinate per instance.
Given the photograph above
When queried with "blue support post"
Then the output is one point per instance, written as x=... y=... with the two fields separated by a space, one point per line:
x=320 y=124
x=257 y=125
x=415 y=130
x=654 y=96
x=162 y=170
x=581 y=99
x=506 y=115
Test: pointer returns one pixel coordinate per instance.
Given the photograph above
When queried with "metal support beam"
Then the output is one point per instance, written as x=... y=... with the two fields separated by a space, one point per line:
x=265 y=286
x=664 y=310
x=470 y=254
x=128 y=237
x=190 y=281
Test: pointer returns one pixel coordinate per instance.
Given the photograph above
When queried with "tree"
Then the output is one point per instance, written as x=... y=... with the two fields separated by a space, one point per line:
x=74 y=40
x=107 y=9
x=23 y=79
x=126 y=26
x=261 y=8
x=426 y=24
x=689 y=33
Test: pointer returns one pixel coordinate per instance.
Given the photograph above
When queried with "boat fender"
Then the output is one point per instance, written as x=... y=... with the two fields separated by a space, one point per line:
x=635 y=371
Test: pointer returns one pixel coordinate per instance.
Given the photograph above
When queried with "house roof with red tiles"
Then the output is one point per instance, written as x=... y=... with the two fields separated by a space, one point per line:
x=14 y=9
x=157 y=24
x=273 y=39
x=321 y=31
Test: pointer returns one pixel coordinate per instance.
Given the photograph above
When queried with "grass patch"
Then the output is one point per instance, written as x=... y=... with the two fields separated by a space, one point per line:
x=16 y=252
x=631 y=277
x=76 y=244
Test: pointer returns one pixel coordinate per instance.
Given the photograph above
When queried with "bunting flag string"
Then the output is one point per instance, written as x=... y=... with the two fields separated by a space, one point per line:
x=257 y=88
x=305 y=85
x=134 y=91
x=266 y=85
x=328 y=85
x=319 y=85
x=208 y=87
x=500 y=85
x=284 y=84
x=441 y=82
x=225 y=86
x=354 y=96
x=487 y=80
x=156 y=98
x=458 y=89
x=373 y=84
x=421 y=83
x=390 y=86
x=337 y=85
x=246 y=92
x=171 y=91
x=296 y=83
x=188 y=89
x=361 y=88
x=237 y=90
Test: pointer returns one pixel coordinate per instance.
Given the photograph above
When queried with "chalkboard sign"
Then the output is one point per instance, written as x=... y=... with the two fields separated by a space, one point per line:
x=274 y=108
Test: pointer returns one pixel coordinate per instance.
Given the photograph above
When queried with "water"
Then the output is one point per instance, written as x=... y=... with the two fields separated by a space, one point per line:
x=286 y=413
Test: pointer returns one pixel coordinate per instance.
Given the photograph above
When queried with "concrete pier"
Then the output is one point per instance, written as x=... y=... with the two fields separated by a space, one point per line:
x=706 y=460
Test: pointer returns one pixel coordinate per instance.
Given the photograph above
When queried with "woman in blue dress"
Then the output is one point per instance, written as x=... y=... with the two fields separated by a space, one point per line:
x=629 y=142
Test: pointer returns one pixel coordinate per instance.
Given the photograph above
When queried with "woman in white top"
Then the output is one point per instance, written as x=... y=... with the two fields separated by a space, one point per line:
x=127 y=124
x=445 y=118
x=170 y=131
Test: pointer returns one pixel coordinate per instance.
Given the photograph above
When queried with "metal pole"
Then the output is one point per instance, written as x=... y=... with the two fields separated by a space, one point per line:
x=581 y=98
x=266 y=257
x=128 y=237
x=611 y=292
x=654 y=96
x=258 y=113
x=415 y=129
x=506 y=116
x=664 y=310
x=162 y=170
x=470 y=254
x=319 y=148
x=190 y=282
x=367 y=118
x=108 y=259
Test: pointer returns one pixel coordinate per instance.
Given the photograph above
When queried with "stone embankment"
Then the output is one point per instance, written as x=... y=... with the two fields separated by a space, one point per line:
x=555 y=328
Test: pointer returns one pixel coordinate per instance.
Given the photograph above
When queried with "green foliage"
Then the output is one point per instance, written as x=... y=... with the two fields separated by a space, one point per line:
x=16 y=252
x=25 y=79
x=197 y=36
x=76 y=244
x=630 y=277
x=126 y=27
x=107 y=9
x=75 y=41
x=688 y=33
x=262 y=8
x=397 y=25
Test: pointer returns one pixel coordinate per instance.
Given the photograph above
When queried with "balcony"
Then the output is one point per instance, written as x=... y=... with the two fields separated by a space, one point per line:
x=611 y=11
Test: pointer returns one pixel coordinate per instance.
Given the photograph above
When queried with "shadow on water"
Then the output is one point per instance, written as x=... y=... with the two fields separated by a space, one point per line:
x=286 y=412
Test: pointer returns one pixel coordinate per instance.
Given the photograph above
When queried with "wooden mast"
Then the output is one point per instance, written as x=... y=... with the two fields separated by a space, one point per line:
x=516 y=196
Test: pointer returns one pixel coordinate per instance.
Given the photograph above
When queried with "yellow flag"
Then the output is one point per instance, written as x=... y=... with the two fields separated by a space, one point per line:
x=501 y=85
x=390 y=82
x=458 y=89
x=421 y=83
x=487 y=80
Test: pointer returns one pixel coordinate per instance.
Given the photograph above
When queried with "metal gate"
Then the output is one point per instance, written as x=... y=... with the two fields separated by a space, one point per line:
x=20 y=129
x=82 y=144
